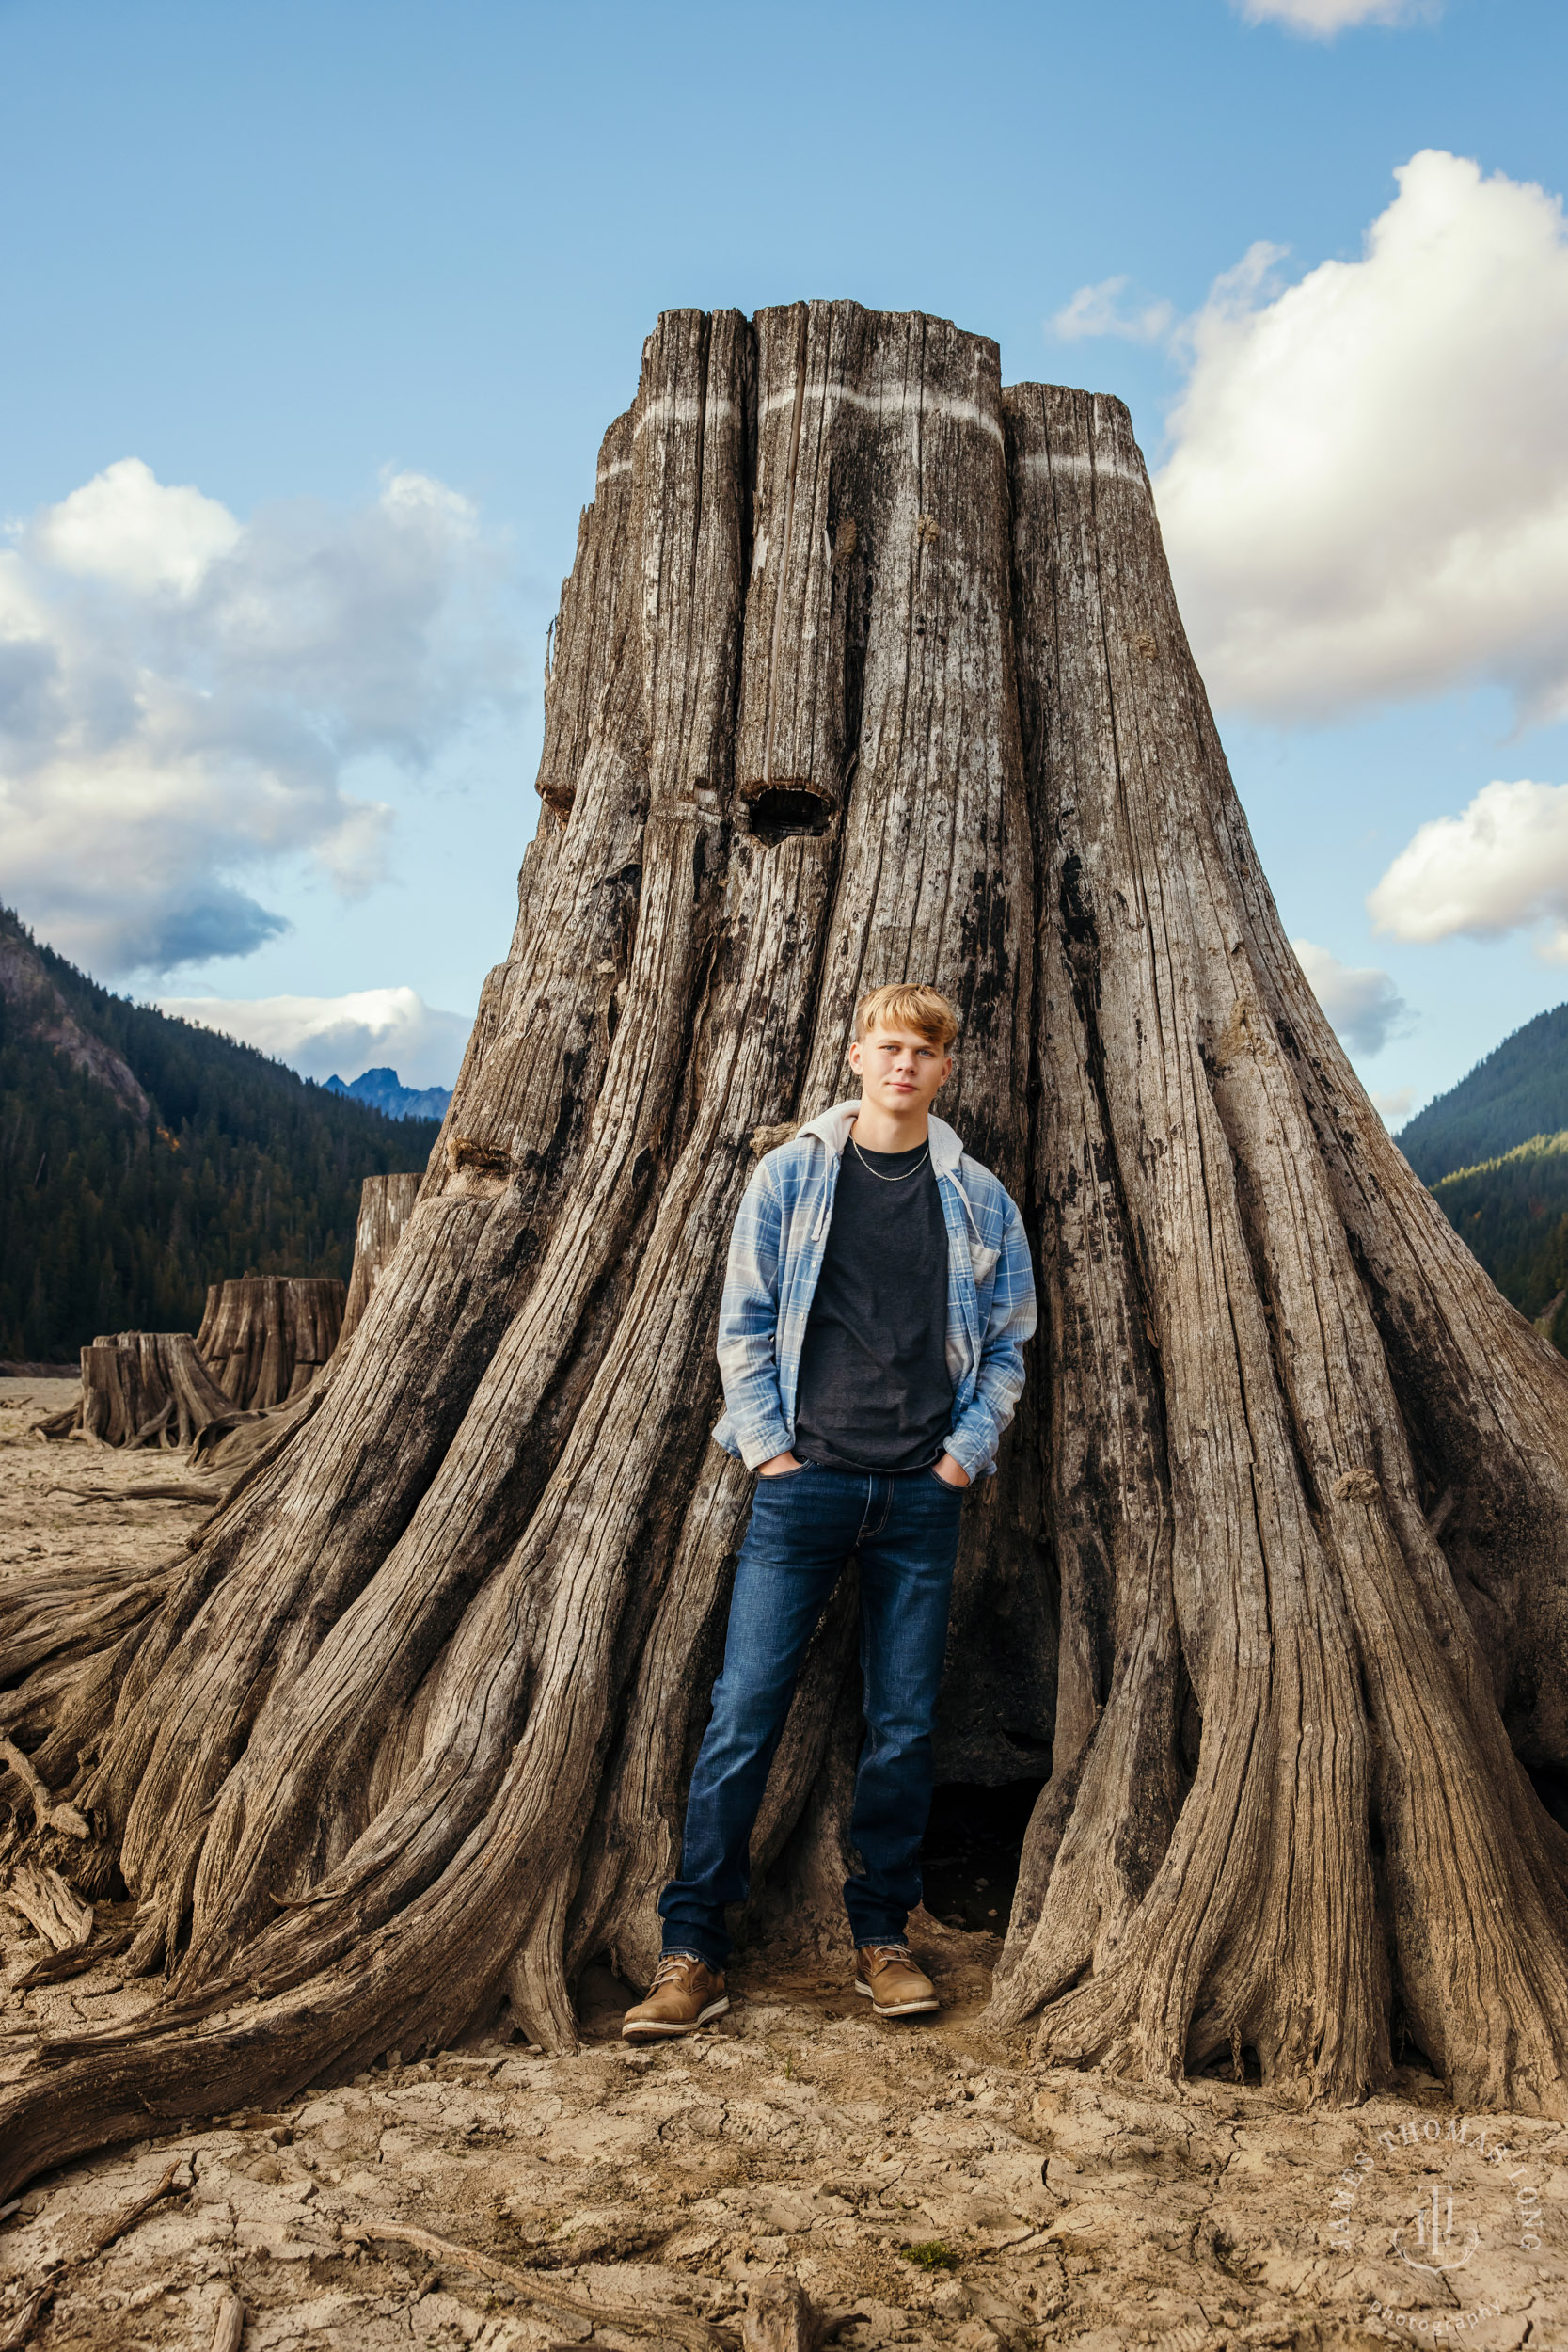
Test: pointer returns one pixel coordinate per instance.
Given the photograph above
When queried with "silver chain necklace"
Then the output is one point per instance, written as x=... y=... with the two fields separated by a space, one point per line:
x=877 y=1171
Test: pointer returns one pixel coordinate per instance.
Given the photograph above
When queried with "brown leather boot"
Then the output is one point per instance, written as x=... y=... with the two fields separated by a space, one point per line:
x=684 y=1994
x=892 y=1982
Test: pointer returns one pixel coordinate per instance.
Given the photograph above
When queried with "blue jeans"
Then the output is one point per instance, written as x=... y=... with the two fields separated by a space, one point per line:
x=805 y=1527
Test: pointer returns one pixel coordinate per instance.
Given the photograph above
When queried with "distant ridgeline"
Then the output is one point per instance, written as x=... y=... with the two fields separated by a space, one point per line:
x=383 y=1091
x=142 y=1158
x=1495 y=1151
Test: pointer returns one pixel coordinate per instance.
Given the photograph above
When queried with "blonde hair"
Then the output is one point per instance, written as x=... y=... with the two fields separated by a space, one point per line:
x=907 y=1004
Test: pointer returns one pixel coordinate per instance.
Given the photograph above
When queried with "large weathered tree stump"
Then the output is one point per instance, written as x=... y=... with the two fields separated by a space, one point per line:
x=386 y=1205
x=868 y=670
x=266 y=1335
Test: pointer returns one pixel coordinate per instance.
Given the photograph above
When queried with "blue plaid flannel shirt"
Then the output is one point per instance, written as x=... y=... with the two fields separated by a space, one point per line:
x=776 y=1250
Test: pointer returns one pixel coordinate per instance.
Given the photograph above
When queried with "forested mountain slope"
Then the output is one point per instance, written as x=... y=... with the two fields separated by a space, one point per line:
x=142 y=1158
x=1513 y=1213
x=1518 y=1092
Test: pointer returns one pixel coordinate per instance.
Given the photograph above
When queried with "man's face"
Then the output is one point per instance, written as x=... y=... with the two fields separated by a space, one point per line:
x=899 y=1069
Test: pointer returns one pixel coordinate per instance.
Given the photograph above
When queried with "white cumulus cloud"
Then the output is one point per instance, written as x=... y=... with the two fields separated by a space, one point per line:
x=1501 y=865
x=183 y=697
x=1322 y=18
x=1102 y=311
x=1367 y=493
x=1364 y=1008
x=325 y=1037
x=128 y=527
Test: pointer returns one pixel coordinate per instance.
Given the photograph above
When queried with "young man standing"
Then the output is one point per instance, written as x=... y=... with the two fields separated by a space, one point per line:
x=876 y=1300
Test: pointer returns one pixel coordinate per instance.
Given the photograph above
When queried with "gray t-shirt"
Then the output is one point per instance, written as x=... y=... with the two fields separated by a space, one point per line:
x=874 y=1391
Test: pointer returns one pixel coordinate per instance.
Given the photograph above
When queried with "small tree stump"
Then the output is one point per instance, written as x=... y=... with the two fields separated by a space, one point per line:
x=386 y=1205
x=145 y=1387
x=264 y=1337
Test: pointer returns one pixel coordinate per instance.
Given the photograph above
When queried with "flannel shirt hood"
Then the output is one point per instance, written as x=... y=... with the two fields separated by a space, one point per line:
x=832 y=1128
x=775 y=1258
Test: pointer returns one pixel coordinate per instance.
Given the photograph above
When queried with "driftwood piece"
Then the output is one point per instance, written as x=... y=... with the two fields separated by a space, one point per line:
x=779 y=2317
x=647 y=2319
x=56 y=1425
x=51 y=1909
x=114 y=2226
x=266 y=1337
x=157 y=1491
x=386 y=1205
x=229 y=2324
x=869 y=670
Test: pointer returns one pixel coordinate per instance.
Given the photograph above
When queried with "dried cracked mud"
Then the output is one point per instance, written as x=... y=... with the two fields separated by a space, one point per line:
x=928 y=2183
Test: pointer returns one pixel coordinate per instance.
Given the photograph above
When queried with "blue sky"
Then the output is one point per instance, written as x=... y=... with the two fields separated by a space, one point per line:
x=365 y=284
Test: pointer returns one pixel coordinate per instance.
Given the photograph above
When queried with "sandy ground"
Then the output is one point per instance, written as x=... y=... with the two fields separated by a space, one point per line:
x=927 y=2183
x=49 y=1508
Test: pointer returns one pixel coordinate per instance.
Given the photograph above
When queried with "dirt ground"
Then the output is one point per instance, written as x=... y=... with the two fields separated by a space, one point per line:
x=926 y=2184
